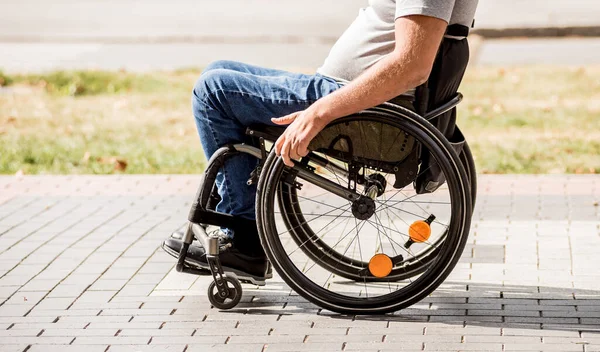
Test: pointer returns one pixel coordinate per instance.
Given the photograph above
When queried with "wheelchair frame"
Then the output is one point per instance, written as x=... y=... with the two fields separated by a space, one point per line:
x=201 y=216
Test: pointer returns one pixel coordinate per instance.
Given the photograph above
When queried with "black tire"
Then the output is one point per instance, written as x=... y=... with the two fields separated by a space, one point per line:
x=466 y=157
x=231 y=300
x=443 y=259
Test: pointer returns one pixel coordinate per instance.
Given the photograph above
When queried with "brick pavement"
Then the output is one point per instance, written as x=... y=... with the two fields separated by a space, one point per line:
x=80 y=270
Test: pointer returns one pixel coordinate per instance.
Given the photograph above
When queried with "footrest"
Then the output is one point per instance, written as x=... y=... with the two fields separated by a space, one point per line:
x=189 y=270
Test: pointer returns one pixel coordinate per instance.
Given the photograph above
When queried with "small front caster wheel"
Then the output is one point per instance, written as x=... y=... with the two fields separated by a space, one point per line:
x=227 y=298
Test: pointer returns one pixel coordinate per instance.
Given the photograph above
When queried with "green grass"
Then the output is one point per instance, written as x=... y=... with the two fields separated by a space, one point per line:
x=517 y=120
x=78 y=83
x=96 y=156
x=533 y=119
x=5 y=80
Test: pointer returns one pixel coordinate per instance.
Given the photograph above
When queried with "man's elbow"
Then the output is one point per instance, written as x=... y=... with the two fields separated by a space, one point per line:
x=414 y=71
x=420 y=76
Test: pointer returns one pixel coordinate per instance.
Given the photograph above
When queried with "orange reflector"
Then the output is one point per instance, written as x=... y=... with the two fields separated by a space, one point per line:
x=419 y=231
x=380 y=265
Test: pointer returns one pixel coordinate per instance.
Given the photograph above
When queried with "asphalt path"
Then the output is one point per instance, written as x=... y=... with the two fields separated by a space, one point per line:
x=230 y=20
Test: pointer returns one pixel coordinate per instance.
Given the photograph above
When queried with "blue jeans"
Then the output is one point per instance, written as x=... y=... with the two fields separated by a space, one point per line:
x=230 y=96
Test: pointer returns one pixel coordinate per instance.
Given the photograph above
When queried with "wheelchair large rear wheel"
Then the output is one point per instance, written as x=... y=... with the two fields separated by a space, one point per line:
x=350 y=262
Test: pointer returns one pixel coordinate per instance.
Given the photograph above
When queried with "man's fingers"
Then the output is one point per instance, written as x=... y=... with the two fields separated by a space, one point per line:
x=293 y=152
x=285 y=153
x=279 y=145
x=299 y=148
x=285 y=120
x=302 y=149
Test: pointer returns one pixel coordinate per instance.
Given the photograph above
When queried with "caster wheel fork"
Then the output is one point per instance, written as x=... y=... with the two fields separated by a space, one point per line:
x=224 y=292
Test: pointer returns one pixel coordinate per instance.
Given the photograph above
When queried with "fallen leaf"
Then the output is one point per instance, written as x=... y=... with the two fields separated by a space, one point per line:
x=86 y=157
x=120 y=165
x=596 y=203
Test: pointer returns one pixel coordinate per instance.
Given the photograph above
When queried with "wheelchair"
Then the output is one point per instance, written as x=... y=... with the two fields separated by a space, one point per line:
x=372 y=220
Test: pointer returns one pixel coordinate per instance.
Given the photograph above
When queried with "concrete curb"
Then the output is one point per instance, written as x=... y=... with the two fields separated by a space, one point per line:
x=538 y=32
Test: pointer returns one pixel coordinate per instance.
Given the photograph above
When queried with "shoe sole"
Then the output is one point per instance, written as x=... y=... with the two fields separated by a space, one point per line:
x=240 y=275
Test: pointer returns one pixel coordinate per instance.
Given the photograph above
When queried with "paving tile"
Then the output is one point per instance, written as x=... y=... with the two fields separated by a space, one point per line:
x=228 y=348
x=149 y=348
x=281 y=347
x=13 y=348
x=67 y=348
x=544 y=347
x=111 y=340
x=190 y=340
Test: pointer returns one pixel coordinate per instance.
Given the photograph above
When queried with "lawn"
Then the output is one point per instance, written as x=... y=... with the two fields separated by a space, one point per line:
x=517 y=120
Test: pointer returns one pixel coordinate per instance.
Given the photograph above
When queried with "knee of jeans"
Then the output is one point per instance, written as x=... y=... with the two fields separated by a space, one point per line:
x=210 y=82
x=219 y=64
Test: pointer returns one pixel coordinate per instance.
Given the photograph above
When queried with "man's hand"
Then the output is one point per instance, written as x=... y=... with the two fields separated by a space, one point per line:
x=303 y=127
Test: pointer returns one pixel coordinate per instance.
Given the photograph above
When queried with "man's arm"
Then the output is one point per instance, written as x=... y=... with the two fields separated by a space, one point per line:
x=409 y=65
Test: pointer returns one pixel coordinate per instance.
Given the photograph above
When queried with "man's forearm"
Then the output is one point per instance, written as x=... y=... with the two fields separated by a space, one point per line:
x=385 y=80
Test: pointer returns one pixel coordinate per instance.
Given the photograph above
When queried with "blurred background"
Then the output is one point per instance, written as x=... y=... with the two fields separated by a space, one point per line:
x=103 y=86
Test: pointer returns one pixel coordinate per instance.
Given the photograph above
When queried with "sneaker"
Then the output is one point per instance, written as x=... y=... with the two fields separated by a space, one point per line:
x=253 y=268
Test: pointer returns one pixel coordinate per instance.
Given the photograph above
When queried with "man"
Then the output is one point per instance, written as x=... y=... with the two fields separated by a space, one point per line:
x=389 y=49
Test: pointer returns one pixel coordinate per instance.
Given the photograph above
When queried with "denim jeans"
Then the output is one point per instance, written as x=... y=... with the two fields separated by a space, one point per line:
x=230 y=96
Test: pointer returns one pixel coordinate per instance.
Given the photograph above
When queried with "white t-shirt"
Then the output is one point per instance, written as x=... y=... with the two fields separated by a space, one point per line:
x=372 y=34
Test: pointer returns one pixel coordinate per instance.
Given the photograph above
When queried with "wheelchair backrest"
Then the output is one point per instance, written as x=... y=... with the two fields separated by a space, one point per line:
x=447 y=72
x=442 y=87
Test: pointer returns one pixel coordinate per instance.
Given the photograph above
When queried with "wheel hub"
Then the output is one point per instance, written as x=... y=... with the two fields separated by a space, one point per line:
x=375 y=185
x=363 y=208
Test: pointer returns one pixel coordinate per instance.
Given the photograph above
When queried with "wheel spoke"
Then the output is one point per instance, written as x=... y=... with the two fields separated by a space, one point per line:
x=315 y=235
